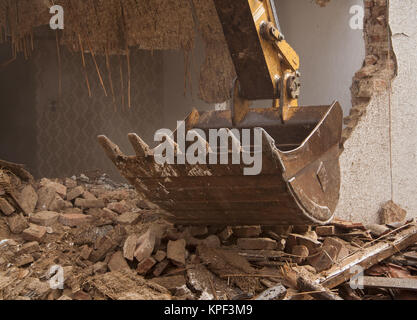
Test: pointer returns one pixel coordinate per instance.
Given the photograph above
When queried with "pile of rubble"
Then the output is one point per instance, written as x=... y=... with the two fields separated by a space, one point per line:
x=88 y=238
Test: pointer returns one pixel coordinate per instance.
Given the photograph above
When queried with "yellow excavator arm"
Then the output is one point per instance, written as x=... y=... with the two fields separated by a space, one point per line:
x=266 y=65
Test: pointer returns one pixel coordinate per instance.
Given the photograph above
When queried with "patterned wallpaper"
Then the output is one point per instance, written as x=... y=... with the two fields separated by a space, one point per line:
x=67 y=126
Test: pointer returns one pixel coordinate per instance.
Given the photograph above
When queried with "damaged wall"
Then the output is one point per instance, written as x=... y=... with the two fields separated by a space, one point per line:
x=379 y=161
x=57 y=136
x=330 y=51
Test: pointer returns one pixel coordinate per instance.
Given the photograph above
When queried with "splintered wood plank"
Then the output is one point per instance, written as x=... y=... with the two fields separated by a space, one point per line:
x=389 y=283
x=369 y=256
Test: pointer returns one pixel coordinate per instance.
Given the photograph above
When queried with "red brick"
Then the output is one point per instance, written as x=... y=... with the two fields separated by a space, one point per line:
x=160 y=255
x=146 y=245
x=6 y=207
x=145 y=266
x=17 y=224
x=117 y=262
x=84 y=203
x=325 y=230
x=75 y=193
x=34 y=233
x=301 y=252
x=129 y=218
x=325 y=258
x=44 y=218
x=74 y=219
x=119 y=207
x=160 y=267
x=129 y=247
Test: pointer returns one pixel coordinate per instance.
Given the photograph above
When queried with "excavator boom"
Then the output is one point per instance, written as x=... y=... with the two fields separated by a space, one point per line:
x=299 y=178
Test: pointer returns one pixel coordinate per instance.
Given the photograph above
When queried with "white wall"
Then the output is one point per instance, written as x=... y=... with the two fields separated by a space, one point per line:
x=330 y=51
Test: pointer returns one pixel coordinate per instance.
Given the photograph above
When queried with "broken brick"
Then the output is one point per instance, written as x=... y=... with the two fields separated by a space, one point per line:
x=160 y=255
x=100 y=268
x=146 y=245
x=30 y=247
x=128 y=218
x=34 y=233
x=57 y=187
x=117 y=262
x=256 y=243
x=391 y=212
x=75 y=193
x=297 y=239
x=74 y=219
x=85 y=252
x=88 y=195
x=17 y=224
x=325 y=231
x=6 y=207
x=247 y=231
x=129 y=247
x=23 y=260
x=101 y=247
x=145 y=266
x=301 y=252
x=70 y=183
x=86 y=204
x=341 y=250
x=119 y=207
x=160 y=267
x=45 y=197
x=27 y=198
x=324 y=259
x=44 y=218
x=176 y=252
x=301 y=229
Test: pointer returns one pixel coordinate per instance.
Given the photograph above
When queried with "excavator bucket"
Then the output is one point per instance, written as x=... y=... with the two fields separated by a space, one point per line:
x=298 y=183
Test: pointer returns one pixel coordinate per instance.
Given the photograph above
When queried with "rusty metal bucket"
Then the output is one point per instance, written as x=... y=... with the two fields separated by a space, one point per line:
x=298 y=185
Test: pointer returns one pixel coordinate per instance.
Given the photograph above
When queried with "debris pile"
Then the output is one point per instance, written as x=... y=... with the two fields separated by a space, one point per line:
x=85 y=238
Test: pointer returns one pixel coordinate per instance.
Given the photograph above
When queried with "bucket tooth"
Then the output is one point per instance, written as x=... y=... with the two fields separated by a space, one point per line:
x=140 y=146
x=298 y=184
x=111 y=149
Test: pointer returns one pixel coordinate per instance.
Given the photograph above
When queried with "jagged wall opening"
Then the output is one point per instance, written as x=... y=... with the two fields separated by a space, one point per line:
x=379 y=67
